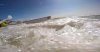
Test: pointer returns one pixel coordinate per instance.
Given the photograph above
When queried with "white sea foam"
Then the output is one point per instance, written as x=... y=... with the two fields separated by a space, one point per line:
x=60 y=35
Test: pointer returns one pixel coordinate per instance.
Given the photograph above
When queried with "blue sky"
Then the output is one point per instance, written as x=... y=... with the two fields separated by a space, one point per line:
x=27 y=9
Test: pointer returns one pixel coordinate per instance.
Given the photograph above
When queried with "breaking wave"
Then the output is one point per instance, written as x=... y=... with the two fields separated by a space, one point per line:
x=73 y=34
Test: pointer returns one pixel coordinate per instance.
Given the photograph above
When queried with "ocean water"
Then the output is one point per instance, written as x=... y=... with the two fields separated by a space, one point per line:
x=69 y=34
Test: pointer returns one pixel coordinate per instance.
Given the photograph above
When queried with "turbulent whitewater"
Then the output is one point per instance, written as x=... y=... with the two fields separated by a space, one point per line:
x=69 y=34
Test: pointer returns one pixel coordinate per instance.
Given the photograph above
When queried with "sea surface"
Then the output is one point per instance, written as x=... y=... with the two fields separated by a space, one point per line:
x=68 y=34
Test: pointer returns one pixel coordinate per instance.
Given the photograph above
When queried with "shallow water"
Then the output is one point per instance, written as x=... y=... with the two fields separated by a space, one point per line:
x=73 y=34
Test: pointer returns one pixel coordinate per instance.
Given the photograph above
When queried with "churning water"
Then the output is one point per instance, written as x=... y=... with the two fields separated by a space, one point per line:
x=73 y=34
